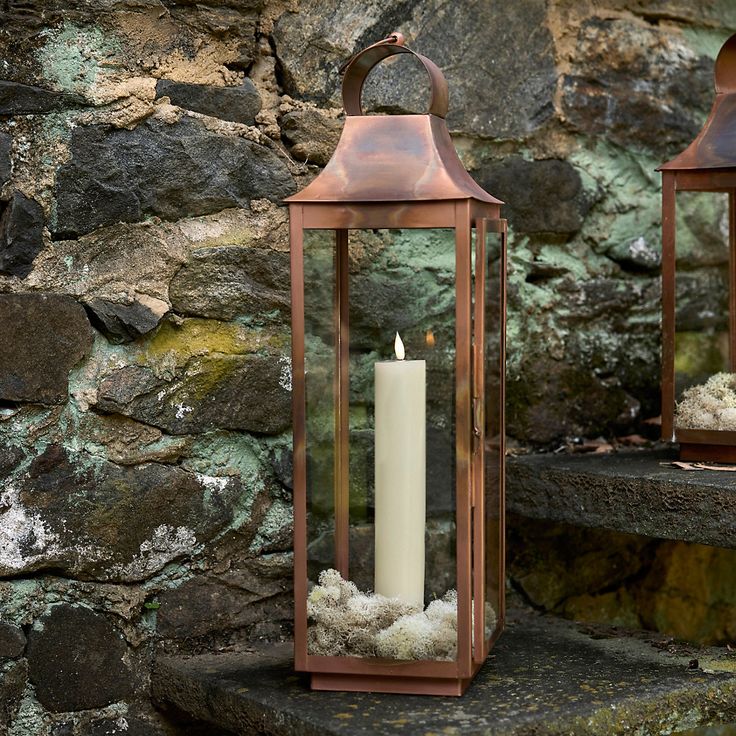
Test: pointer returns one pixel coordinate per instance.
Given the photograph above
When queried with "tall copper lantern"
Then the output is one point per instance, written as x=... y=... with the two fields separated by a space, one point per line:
x=700 y=414
x=398 y=267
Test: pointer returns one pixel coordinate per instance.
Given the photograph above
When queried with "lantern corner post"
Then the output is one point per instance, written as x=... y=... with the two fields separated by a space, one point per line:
x=463 y=434
x=669 y=187
x=732 y=279
x=296 y=244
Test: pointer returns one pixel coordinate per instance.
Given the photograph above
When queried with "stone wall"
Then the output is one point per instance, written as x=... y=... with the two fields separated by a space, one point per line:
x=145 y=146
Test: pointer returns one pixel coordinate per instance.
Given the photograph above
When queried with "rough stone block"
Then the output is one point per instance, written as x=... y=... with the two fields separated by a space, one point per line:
x=617 y=88
x=312 y=136
x=239 y=104
x=24 y=99
x=230 y=281
x=239 y=392
x=169 y=170
x=544 y=196
x=122 y=323
x=76 y=660
x=96 y=520
x=493 y=91
x=21 y=235
x=43 y=337
x=12 y=641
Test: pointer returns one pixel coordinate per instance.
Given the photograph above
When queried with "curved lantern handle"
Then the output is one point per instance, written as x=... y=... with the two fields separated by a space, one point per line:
x=356 y=71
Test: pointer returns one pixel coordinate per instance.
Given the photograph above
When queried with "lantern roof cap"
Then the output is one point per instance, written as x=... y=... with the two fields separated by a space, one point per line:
x=392 y=158
x=715 y=145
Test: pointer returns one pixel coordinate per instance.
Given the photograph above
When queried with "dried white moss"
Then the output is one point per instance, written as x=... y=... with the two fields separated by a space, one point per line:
x=345 y=621
x=710 y=406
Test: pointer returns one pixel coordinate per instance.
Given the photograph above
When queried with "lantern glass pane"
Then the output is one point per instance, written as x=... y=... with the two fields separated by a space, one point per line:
x=704 y=382
x=494 y=430
x=319 y=363
x=381 y=440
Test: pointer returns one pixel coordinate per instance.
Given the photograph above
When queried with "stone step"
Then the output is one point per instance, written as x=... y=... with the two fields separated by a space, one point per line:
x=545 y=676
x=634 y=491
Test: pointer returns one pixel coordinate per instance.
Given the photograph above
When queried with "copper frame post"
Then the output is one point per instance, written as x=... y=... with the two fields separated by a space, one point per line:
x=479 y=438
x=298 y=388
x=668 y=306
x=732 y=280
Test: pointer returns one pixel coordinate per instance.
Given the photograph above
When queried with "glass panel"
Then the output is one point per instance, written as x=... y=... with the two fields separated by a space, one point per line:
x=319 y=364
x=705 y=389
x=495 y=440
x=399 y=422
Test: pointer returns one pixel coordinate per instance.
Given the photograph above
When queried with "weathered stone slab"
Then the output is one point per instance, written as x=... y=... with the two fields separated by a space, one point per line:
x=545 y=676
x=76 y=660
x=230 y=281
x=43 y=337
x=239 y=104
x=169 y=170
x=634 y=492
x=21 y=235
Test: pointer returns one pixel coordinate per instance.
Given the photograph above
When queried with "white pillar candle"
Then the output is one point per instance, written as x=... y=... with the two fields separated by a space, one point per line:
x=400 y=477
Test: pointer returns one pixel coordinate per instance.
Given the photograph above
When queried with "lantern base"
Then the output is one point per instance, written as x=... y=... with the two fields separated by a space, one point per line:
x=383 y=684
x=696 y=452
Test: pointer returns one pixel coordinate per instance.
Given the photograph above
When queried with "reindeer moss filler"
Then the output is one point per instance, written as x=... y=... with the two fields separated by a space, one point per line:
x=710 y=406
x=346 y=622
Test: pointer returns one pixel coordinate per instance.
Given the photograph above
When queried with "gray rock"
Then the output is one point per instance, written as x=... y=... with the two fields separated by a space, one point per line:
x=76 y=660
x=122 y=323
x=21 y=235
x=493 y=92
x=544 y=196
x=311 y=135
x=23 y=99
x=43 y=337
x=239 y=104
x=12 y=641
x=13 y=680
x=6 y=144
x=617 y=88
x=169 y=170
x=136 y=261
x=230 y=281
x=215 y=607
x=238 y=392
x=95 y=520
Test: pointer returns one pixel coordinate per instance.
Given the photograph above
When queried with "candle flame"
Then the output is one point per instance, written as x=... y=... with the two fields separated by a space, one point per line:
x=399 y=348
x=429 y=338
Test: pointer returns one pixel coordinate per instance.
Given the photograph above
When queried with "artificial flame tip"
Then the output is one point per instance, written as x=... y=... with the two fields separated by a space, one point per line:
x=399 y=348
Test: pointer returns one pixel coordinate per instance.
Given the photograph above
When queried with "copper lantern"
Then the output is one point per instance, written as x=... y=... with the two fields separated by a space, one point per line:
x=398 y=268
x=699 y=395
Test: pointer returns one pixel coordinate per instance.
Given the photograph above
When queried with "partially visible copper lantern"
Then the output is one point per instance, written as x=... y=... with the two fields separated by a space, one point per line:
x=700 y=414
x=398 y=268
